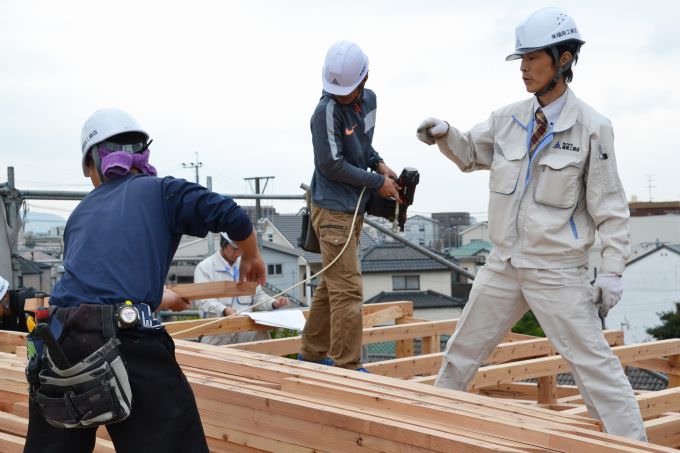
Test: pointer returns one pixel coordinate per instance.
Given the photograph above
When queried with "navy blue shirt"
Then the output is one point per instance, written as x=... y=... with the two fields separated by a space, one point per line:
x=120 y=240
x=342 y=136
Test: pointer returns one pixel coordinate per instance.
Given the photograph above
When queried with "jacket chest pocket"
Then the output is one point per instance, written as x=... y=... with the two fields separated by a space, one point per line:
x=558 y=180
x=505 y=168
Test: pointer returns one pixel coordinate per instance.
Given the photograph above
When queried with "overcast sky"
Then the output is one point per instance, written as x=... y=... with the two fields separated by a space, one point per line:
x=237 y=82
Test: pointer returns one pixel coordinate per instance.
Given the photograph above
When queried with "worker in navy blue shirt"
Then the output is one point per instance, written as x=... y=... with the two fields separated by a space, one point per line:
x=118 y=245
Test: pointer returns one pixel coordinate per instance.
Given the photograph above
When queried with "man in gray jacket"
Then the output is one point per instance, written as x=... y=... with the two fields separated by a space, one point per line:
x=342 y=132
x=553 y=184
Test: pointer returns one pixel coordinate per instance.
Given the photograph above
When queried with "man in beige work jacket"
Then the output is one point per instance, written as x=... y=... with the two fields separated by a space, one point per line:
x=553 y=183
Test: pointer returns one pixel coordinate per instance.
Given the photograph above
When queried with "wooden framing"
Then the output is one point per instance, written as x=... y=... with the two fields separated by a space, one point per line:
x=252 y=400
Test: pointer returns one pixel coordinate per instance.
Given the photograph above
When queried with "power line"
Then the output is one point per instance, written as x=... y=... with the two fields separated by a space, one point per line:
x=195 y=165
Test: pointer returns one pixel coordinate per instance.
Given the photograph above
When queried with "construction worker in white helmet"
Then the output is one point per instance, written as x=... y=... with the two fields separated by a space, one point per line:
x=342 y=133
x=553 y=184
x=118 y=246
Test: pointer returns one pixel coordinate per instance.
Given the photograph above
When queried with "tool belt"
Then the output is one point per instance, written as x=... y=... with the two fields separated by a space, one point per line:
x=95 y=390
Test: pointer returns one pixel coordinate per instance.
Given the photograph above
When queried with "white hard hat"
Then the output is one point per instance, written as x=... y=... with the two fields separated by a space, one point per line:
x=544 y=28
x=104 y=124
x=4 y=286
x=345 y=67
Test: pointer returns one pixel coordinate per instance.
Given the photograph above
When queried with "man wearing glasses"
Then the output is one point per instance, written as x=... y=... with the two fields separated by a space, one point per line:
x=223 y=265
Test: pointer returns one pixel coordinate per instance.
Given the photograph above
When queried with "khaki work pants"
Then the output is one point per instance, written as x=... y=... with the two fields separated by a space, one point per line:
x=562 y=300
x=334 y=327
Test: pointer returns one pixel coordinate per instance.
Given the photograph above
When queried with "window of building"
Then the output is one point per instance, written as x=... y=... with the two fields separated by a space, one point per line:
x=274 y=269
x=402 y=282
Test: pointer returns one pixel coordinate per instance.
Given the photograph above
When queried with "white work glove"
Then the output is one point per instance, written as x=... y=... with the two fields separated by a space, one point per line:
x=608 y=292
x=430 y=129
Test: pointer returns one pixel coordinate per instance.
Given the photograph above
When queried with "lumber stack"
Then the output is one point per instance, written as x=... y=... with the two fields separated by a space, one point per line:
x=252 y=402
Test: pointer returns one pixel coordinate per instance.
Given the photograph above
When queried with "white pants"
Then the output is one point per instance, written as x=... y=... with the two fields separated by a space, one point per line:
x=562 y=300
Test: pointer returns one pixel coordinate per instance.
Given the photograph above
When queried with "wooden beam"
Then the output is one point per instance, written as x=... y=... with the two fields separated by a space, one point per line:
x=428 y=364
x=404 y=347
x=674 y=362
x=545 y=366
x=208 y=290
x=243 y=323
x=651 y=404
x=291 y=345
x=664 y=430
x=383 y=316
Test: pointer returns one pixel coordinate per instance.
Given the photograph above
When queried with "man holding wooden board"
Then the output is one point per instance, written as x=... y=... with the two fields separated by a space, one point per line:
x=106 y=360
x=225 y=265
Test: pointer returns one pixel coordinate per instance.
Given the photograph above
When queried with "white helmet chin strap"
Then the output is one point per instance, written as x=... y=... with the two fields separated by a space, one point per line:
x=558 y=75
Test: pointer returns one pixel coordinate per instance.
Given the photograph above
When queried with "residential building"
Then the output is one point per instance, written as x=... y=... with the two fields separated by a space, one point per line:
x=423 y=231
x=472 y=255
x=651 y=224
x=450 y=225
x=651 y=285
x=396 y=267
x=476 y=232
x=427 y=304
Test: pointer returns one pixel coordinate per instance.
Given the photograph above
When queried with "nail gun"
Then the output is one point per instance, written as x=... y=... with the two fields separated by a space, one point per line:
x=389 y=208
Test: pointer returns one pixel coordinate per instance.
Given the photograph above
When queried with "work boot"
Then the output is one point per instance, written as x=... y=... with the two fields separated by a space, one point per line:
x=362 y=370
x=325 y=361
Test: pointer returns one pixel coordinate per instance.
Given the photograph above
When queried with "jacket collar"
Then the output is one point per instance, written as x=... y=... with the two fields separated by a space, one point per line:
x=566 y=120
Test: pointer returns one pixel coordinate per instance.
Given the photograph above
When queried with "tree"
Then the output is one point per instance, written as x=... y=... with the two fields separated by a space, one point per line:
x=670 y=325
x=529 y=325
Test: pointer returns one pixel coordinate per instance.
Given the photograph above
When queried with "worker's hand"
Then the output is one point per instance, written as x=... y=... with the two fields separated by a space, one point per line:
x=609 y=290
x=173 y=301
x=252 y=269
x=280 y=302
x=228 y=311
x=386 y=171
x=389 y=189
x=431 y=129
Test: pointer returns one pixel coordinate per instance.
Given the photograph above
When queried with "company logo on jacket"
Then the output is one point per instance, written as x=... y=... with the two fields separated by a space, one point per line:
x=567 y=147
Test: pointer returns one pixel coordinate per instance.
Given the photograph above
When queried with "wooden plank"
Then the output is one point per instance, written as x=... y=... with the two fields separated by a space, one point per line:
x=428 y=364
x=431 y=345
x=291 y=345
x=674 y=362
x=241 y=323
x=664 y=430
x=404 y=348
x=380 y=434
x=208 y=290
x=651 y=404
x=10 y=443
x=9 y=338
x=661 y=365
x=275 y=369
x=526 y=390
x=383 y=316
x=545 y=366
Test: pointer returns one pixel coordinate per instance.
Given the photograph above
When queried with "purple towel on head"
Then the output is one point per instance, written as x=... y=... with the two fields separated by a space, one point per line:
x=119 y=163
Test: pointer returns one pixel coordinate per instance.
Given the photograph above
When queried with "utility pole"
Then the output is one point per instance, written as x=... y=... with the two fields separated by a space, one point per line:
x=195 y=165
x=258 y=207
x=650 y=185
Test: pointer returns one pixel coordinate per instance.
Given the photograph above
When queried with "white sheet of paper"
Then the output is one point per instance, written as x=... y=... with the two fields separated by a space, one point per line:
x=288 y=319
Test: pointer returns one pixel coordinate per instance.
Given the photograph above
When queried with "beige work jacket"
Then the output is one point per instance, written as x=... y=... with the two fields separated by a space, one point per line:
x=545 y=208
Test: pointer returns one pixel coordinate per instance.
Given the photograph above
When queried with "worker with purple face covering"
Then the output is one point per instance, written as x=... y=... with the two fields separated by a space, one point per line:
x=553 y=184
x=108 y=361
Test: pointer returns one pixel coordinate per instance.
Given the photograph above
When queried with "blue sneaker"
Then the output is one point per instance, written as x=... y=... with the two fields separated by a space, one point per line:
x=326 y=361
x=363 y=370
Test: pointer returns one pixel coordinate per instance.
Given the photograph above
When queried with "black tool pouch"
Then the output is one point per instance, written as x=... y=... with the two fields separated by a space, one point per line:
x=96 y=390
x=308 y=240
